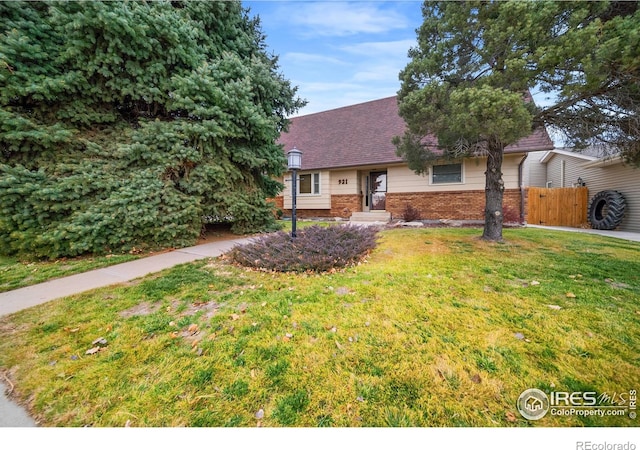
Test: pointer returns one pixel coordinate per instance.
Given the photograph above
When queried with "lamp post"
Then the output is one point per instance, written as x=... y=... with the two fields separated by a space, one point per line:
x=294 y=162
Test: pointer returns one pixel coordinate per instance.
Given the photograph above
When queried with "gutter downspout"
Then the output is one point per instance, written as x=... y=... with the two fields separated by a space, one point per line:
x=522 y=189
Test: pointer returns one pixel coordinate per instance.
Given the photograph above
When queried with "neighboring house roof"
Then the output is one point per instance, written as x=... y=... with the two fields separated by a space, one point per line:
x=550 y=154
x=596 y=151
x=591 y=157
x=604 y=162
x=361 y=135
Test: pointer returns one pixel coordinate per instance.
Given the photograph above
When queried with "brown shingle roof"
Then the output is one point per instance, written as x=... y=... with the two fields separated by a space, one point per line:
x=361 y=135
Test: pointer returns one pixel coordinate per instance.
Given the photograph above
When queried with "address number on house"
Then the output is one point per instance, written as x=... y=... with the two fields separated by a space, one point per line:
x=343 y=181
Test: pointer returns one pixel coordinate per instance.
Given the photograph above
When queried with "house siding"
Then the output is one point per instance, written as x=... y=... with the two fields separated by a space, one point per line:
x=344 y=182
x=618 y=177
x=563 y=171
x=401 y=179
x=609 y=176
x=309 y=201
x=341 y=192
x=534 y=172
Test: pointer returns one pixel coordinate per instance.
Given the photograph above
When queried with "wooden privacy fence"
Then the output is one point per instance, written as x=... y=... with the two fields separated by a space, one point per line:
x=557 y=206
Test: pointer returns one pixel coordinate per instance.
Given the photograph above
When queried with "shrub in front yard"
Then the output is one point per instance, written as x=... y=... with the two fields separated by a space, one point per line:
x=410 y=213
x=315 y=249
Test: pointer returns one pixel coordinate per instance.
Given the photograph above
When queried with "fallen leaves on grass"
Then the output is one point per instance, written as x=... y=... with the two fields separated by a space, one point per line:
x=98 y=345
x=100 y=342
x=521 y=337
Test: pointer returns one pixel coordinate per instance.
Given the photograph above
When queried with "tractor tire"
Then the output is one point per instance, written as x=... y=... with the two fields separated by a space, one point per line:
x=606 y=210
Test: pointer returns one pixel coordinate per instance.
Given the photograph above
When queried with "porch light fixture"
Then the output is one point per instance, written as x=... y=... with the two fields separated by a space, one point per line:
x=580 y=181
x=294 y=163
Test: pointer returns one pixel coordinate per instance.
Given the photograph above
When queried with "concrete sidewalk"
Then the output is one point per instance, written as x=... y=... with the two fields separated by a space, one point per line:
x=626 y=235
x=29 y=296
x=13 y=415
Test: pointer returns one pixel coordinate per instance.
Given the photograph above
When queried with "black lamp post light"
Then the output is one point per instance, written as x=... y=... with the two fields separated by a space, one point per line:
x=294 y=163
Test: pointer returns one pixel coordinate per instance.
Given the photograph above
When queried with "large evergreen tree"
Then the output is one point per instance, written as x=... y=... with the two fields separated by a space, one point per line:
x=475 y=61
x=133 y=123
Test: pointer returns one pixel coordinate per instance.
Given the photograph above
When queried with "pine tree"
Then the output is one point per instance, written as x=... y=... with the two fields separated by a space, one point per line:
x=474 y=62
x=132 y=124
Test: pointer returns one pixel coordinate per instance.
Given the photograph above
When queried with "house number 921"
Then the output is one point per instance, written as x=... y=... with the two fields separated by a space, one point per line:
x=343 y=181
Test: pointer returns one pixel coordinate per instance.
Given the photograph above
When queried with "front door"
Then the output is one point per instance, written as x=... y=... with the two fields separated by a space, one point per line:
x=378 y=191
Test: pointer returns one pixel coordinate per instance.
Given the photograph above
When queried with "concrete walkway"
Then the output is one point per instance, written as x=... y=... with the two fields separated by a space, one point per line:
x=13 y=415
x=626 y=235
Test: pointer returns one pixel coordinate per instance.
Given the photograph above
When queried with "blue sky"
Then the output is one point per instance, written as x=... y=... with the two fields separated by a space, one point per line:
x=339 y=53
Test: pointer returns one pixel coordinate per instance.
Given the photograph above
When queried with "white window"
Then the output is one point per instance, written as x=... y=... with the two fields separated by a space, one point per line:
x=446 y=173
x=309 y=183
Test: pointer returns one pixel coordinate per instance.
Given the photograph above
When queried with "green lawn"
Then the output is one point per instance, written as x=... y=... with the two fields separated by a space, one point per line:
x=436 y=328
x=15 y=273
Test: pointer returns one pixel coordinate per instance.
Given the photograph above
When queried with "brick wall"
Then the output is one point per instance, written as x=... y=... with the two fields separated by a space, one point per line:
x=344 y=205
x=279 y=201
x=308 y=213
x=455 y=205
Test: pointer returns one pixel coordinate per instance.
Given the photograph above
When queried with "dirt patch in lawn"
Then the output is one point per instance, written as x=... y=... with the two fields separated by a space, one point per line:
x=209 y=309
x=145 y=308
x=141 y=309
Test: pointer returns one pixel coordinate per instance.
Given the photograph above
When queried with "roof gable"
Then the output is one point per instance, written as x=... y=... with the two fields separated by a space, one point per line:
x=361 y=134
x=547 y=157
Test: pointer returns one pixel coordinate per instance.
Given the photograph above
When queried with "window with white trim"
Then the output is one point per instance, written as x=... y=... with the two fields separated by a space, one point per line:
x=309 y=183
x=446 y=173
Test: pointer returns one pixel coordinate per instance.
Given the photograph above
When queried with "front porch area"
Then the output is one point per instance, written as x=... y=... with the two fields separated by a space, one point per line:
x=370 y=217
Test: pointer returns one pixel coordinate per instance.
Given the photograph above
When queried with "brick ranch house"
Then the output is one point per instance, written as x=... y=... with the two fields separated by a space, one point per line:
x=349 y=165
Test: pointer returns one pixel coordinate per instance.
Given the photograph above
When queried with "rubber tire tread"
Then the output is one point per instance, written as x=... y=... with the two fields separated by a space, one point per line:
x=616 y=205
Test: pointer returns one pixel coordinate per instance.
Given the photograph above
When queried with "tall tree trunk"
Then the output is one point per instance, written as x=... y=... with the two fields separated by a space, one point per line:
x=494 y=191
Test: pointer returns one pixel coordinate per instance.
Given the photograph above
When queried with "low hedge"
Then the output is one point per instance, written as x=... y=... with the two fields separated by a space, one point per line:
x=315 y=249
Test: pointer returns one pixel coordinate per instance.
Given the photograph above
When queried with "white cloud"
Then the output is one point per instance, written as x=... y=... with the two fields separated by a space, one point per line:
x=379 y=72
x=342 y=19
x=324 y=87
x=309 y=58
x=323 y=96
x=340 y=53
x=378 y=49
x=379 y=61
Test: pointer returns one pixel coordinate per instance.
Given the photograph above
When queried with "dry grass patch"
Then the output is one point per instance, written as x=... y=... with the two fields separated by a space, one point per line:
x=438 y=328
